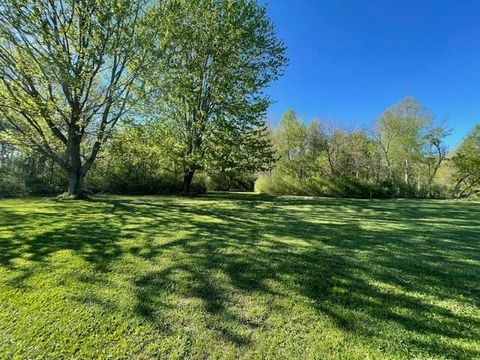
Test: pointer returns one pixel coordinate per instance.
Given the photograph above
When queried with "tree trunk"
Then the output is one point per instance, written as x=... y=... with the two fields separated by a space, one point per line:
x=75 y=184
x=75 y=171
x=407 y=179
x=187 y=180
x=390 y=171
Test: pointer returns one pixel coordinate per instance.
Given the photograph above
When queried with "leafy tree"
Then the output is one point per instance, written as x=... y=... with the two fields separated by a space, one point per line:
x=136 y=160
x=466 y=165
x=235 y=155
x=335 y=140
x=5 y=149
x=409 y=139
x=290 y=139
x=315 y=139
x=68 y=73
x=337 y=152
x=434 y=154
x=290 y=136
x=400 y=133
x=360 y=156
x=216 y=57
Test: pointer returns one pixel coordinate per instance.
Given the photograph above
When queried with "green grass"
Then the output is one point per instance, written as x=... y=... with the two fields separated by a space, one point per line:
x=239 y=276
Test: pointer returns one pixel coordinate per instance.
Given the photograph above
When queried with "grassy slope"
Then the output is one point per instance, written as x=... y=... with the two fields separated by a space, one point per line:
x=239 y=276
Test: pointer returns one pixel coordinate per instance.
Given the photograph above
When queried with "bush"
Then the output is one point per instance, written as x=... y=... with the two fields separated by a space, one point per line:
x=131 y=180
x=40 y=187
x=199 y=184
x=279 y=184
x=151 y=183
x=221 y=182
x=11 y=186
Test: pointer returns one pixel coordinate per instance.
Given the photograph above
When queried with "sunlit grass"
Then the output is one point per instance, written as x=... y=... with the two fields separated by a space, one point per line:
x=239 y=276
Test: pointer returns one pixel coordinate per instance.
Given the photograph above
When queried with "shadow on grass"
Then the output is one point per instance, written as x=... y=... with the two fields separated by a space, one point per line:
x=344 y=257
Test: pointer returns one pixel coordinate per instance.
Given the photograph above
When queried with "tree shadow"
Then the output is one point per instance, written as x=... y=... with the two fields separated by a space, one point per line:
x=385 y=260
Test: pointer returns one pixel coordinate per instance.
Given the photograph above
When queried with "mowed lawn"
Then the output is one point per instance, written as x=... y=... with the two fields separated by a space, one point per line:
x=239 y=276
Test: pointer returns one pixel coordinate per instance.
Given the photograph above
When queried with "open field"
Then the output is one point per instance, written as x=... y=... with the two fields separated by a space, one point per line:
x=239 y=276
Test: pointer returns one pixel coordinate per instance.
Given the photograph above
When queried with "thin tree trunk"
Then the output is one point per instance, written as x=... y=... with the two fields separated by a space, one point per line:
x=187 y=180
x=441 y=157
x=407 y=179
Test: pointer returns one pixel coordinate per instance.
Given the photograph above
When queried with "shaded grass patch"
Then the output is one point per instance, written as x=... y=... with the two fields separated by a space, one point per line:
x=239 y=276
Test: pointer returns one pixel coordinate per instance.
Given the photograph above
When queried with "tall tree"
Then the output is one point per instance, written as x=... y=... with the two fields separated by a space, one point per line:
x=291 y=140
x=217 y=57
x=290 y=136
x=434 y=154
x=68 y=74
x=409 y=139
x=466 y=165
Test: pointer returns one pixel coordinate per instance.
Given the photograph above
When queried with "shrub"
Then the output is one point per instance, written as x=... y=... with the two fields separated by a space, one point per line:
x=279 y=184
x=150 y=183
x=199 y=184
x=11 y=186
x=222 y=182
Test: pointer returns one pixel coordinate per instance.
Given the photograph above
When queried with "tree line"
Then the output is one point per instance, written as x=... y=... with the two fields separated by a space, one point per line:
x=402 y=155
x=148 y=97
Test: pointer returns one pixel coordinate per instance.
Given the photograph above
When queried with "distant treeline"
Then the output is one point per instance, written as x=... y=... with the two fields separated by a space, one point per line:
x=404 y=155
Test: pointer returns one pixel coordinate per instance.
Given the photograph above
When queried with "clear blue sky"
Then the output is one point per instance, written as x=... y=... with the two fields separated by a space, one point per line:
x=351 y=59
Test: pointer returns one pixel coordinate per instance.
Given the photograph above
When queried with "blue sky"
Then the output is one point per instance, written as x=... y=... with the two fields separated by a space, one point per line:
x=351 y=59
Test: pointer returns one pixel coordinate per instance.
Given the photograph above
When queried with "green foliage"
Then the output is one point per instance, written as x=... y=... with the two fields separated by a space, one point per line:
x=290 y=136
x=29 y=174
x=190 y=74
x=240 y=181
x=216 y=57
x=244 y=148
x=11 y=186
x=466 y=165
x=402 y=159
x=412 y=146
x=138 y=160
x=69 y=71
x=324 y=186
x=239 y=276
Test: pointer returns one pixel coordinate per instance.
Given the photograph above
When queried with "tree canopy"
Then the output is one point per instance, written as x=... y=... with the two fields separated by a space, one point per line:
x=69 y=71
x=466 y=165
x=216 y=57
